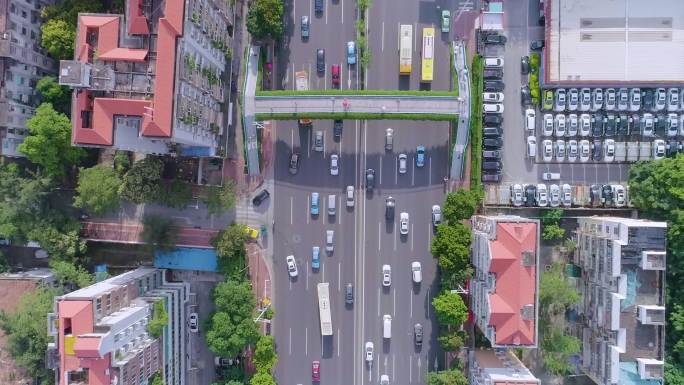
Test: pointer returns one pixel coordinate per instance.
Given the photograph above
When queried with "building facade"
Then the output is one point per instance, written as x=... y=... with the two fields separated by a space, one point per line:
x=504 y=296
x=623 y=290
x=22 y=63
x=498 y=367
x=151 y=80
x=101 y=334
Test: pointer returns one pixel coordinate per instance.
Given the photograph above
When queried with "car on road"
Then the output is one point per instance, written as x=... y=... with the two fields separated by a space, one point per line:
x=492 y=74
x=611 y=99
x=606 y=194
x=516 y=195
x=291 y=266
x=386 y=275
x=623 y=99
x=389 y=139
x=660 y=99
x=337 y=128
x=335 y=76
x=566 y=195
x=261 y=197
x=294 y=163
x=492 y=143
x=446 y=21
x=351 y=53
x=370 y=179
x=548 y=125
x=542 y=197
x=304 y=30
x=416 y=272
x=193 y=322
x=384 y=379
x=420 y=156
x=620 y=195
x=369 y=352
x=318 y=6
x=402 y=163
x=532 y=146
x=315 y=257
x=530 y=195
x=349 y=294
x=494 y=85
x=493 y=108
x=585 y=99
x=225 y=362
x=334 y=164
x=548 y=100
x=318 y=141
x=547 y=150
x=609 y=150
x=418 y=334
x=350 y=196
x=316 y=371
x=573 y=99
x=554 y=195
x=585 y=125
x=634 y=99
x=658 y=149
x=314 y=203
x=525 y=65
x=672 y=99
x=492 y=119
x=436 y=215
x=573 y=150
x=389 y=208
x=559 y=125
x=596 y=99
x=404 y=223
x=494 y=38
x=320 y=60
x=561 y=100
x=595 y=195
x=330 y=241
x=537 y=45
x=493 y=96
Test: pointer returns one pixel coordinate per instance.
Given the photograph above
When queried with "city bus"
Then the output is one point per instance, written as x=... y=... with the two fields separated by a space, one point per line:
x=428 y=54
x=405 y=48
x=324 y=309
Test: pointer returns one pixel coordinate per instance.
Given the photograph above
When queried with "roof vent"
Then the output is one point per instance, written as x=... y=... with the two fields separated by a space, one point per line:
x=527 y=312
x=528 y=258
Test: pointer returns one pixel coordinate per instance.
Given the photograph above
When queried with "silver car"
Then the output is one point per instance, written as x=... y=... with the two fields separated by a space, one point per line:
x=517 y=195
x=330 y=241
x=572 y=150
x=334 y=164
x=611 y=99
x=623 y=99
x=560 y=150
x=585 y=99
x=634 y=99
x=573 y=123
x=566 y=195
x=547 y=148
x=596 y=99
x=559 y=125
x=573 y=99
x=672 y=99
x=554 y=195
x=386 y=275
x=548 y=125
x=660 y=99
x=542 y=196
x=402 y=163
x=584 y=150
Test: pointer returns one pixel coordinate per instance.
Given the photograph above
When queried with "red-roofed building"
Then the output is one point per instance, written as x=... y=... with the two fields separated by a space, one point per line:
x=504 y=301
x=151 y=80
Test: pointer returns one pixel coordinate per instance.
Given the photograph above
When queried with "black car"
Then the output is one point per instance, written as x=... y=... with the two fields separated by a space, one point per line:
x=318 y=6
x=596 y=153
x=370 y=179
x=491 y=154
x=635 y=124
x=492 y=119
x=672 y=148
x=294 y=163
x=610 y=125
x=525 y=95
x=492 y=74
x=337 y=128
x=530 y=195
x=537 y=45
x=418 y=334
x=494 y=178
x=494 y=38
x=595 y=195
x=649 y=99
x=492 y=165
x=492 y=142
x=389 y=208
x=320 y=60
x=525 y=65
x=261 y=197
x=349 y=294
x=494 y=85
x=623 y=125
x=606 y=195
x=661 y=124
x=491 y=132
x=597 y=126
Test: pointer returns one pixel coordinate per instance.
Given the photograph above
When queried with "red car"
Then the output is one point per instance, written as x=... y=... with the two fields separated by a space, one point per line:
x=336 y=75
x=316 y=371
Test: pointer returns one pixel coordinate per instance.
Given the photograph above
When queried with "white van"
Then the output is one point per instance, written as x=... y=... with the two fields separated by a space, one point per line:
x=331 y=204
x=494 y=62
x=530 y=117
x=387 y=326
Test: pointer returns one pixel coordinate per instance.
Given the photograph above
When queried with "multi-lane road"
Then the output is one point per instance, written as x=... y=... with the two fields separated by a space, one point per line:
x=364 y=241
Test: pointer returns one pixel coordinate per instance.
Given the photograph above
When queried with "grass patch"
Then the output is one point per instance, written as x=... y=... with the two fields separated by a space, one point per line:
x=354 y=116
x=535 y=91
x=476 y=123
x=333 y=92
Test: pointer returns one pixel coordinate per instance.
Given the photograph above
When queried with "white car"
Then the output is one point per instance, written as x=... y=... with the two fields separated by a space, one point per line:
x=619 y=195
x=517 y=195
x=609 y=150
x=530 y=119
x=350 y=196
x=334 y=164
x=559 y=125
x=634 y=99
x=573 y=150
x=672 y=99
x=402 y=163
x=585 y=125
x=369 y=352
x=672 y=124
x=647 y=125
x=384 y=379
x=573 y=124
x=386 y=275
x=548 y=125
x=403 y=223
x=532 y=146
x=596 y=99
x=416 y=272
x=193 y=322
x=542 y=197
x=611 y=99
x=560 y=150
x=330 y=241
x=495 y=97
x=623 y=99
x=658 y=149
x=560 y=100
x=493 y=108
x=547 y=147
x=573 y=99
x=584 y=150
x=554 y=195
x=585 y=99
x=660 y=99
x=291 y=266
x=436 y=215
x=566 y=195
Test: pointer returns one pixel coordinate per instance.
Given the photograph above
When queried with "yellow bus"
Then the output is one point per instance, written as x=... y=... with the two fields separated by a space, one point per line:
x=405 y=48
x=428 y=54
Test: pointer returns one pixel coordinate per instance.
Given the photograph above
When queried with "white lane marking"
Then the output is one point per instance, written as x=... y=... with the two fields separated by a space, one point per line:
x=393 y=365
x=338 y=342
x=430 y=172
x=310 y=7
x=308 y=145
x=394 y=231
x=379 y=232
x=394 y=302
x=413 y=172
x=326 y=16
x=428 y=298
x=290 y=284
x=382 y=37
x=323 y=272
x=342 y=19
x=293 y=76
x=307 y=275
x=379 y=302
x=339 y=275
x=289 y=349
x=291 y=208
x=323 y=144
x=380 y=167
x=306 y=341
x=429 y=237
x=410 y=369
x=308 y=208
x=415 y=36
x=396 y=171
x=411 y=303
x=339 y=215
x=411 y=236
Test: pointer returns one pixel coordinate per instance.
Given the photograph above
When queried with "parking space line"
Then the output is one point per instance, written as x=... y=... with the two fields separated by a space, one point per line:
x=290 y=284
x=342 y=22
x=429 y=236
x=323 y=272
x=308 y=144
x=308 y=208
x=293 y=76
x=608 y=173
x=291 y=208
x=339 y=215
x=396 y=172
x=339 y=275
x=393 y=365
x=292 y=146
x=323 y=144
x=411 y=303
x=310 y=7
x=379 y=230
x=326 y=15
x=338 y=342
x=382 y=38
x=410 y=368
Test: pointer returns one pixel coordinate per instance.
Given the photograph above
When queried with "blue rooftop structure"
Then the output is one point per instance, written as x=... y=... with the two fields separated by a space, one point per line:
x=187 y=258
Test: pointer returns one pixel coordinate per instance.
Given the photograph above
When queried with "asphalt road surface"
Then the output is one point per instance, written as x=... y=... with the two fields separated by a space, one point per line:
x=364 y=241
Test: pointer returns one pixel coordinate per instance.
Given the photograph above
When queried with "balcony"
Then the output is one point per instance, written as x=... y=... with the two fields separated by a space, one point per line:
x=652 y=260
x=651 y=314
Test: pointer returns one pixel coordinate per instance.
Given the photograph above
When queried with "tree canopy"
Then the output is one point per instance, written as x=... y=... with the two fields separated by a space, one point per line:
x=230 y=248
x=265 y=19
x=460 y=205
x=160 y=232
x=555 y=291
x=51 y=92
x=265 y=356
x=556 y=350
x=450 y=309
x=141 y=183
x=98 y=189
x=220 y=199
x=451 y=247
x=58 y=37
x=71 y=276
x=446 y=377
x=657 y=187
x=49 y=141
x=177 y=194
x=262 y=378
x=232 y=327
x=160 y=318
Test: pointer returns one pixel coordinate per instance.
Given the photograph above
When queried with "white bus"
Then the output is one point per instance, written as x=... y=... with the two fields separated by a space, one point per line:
x=405 y=48
x=324 y=309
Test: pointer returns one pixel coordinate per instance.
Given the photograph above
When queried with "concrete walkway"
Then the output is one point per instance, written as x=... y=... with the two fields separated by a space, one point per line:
x=461 y=64
x=380 y=104
x=249 y=124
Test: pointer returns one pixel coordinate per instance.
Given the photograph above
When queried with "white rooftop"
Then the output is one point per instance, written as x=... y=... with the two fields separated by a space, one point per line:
x=615 y=41
x=109 y=284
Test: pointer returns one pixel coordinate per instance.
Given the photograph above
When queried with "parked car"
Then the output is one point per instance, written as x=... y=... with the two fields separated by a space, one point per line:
x=672 y=124
x=560 y=99
x=493 y=97
x=532 y=146
x=420 y=156
x=516 y=195
x=554 y=195
x=634 y=99
x=547 y=150
x=548 y=125
x=573 y=99
x=525 y=96
x=660 y=99
x=402 y=163
x=494 y=38
x=547 y=103
x=193 y=322
x=537 y=45
x=658 y=149
x=525 y=65
x=492 y=119
x=446 y=21
x=595 y=195
x=609 y=125
x=494 y=85
x=672 y=99
x=493 y=108
x=389 y=139
x=542 y=196
x=596 y=155
x=261 y=197
x=304 y=30
x=585 y=99
x=585 y=125
x=492 y=74
x=318 y=141
x=494 y=143
x=649 y=100
x=559 y=125
x=584 y=150
x=436 y=215
x=597 y=125
x=596 y=99
x=623 y=99
x=491 y=154
x=620 y=195
x=530 y=195
x=573 y=150
x=566 y=195
x=560 y=150
x=611 y=99
x=647 y=125
x=609 y=150
x=606 y=194
x=491 y=178
x=572 y=125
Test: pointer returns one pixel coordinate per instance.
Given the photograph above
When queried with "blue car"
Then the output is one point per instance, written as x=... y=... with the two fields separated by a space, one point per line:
x=420 y=156
x=315 y=259
x=351 y=53
x=314 y=203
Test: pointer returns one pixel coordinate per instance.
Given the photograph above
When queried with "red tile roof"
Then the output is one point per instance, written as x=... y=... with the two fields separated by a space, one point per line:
x=516 y=284
x=137 y=22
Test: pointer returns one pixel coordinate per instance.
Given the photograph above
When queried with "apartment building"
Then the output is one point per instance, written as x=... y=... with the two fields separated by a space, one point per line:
x=498 y=367
x=504 y=296
x=623 y=291
x=151 y=80
x=101 y=334
x=22 y=64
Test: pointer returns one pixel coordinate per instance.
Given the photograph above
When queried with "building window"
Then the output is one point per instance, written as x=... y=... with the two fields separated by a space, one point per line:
x=98 y=306
x=23 y=14
x=13 y=8
x=23 y=31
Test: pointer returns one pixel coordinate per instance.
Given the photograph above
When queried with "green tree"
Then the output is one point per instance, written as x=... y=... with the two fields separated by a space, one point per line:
x=51 y=92
x=22 y=202
x=49 y=141
x=555 y=291
x=557 y=347
x=70 y=276
x=265 y=19
x=141 y=182
x=122 y=161
x=446 y=377
x=674 y=374
x=230 y=248
x=160 y=318
x=156 y=379
x=60 y=244
x=27 y=337
x=58 y=37
x=160 y=232
x=450 y=341
x=232 y=327
x=552 y=232
x=220 y=199
x=262 y=378
x=4 y=265
x=177 y=194
x=98 y=189
x=657 y=187
x=460 y=205
x=450 y=309
x=265 y=356
x=451 y=247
